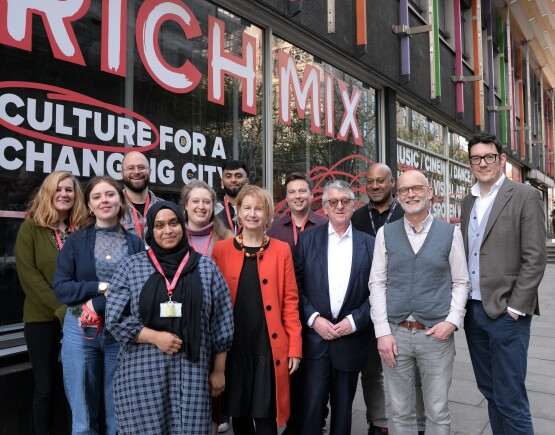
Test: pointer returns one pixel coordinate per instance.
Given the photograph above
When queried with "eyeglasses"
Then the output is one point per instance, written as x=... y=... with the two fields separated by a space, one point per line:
x=344 y=201
x=140 y=168
x=419 y=188
x=488 y=158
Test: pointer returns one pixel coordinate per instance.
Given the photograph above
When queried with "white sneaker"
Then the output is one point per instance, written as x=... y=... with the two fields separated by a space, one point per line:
x=224 y=427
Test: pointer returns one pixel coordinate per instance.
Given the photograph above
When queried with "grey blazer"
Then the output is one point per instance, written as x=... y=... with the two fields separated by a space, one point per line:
x=513 y=251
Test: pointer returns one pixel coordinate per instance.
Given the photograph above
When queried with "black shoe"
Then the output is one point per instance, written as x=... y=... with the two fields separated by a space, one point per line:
x=376 y=430
x=420 y=432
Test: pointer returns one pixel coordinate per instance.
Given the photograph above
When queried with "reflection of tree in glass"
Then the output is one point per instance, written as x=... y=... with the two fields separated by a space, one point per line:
x=297 y=148
x=413 y=127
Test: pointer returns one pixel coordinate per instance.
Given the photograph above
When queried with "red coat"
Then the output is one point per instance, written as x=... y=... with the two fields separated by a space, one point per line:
x=281 y=306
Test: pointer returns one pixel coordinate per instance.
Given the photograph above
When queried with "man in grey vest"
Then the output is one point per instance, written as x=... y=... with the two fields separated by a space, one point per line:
x=418 y=290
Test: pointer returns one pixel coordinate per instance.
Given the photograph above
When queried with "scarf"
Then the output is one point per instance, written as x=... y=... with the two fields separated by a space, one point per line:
x=188 y=289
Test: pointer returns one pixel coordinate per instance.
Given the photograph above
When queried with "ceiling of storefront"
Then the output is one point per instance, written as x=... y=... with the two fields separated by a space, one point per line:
x=533 y=23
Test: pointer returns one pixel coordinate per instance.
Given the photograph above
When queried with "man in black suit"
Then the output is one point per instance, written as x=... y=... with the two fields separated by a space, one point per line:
x=332 y=264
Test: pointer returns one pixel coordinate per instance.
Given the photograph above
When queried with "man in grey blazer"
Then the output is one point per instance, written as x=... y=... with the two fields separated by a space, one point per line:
x=503 y=226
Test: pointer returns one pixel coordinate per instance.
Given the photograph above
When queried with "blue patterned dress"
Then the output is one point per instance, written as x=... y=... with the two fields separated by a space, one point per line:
x=155 y=393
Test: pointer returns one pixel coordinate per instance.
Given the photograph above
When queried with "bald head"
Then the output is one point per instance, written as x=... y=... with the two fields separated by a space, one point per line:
x=414 y=194
x=134 y=158
x=379 y=184
x=412 y=177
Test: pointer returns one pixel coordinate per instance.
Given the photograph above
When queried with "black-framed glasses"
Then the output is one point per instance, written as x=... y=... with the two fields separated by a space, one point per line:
x=488 y=158
x=416 y=189
x=344 y=202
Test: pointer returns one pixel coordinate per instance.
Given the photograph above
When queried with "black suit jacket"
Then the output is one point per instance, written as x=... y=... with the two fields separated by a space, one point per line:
x=349 y=353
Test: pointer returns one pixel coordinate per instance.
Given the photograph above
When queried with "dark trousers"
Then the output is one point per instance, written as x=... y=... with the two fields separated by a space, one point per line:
x=43 y=345
x=322 y=381
x=499 y=352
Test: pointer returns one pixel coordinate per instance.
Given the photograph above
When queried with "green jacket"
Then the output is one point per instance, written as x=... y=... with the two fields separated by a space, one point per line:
x=35 y=260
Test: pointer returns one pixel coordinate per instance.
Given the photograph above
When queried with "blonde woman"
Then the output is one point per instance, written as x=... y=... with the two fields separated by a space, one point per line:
x=56 y=210
x=198 y=200
x=267 y=344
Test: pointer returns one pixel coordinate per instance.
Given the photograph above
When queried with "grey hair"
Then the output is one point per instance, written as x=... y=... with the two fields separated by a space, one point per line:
x=339 y=185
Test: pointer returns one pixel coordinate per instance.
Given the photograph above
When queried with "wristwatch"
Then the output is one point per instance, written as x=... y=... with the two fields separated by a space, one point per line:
x=102 y=287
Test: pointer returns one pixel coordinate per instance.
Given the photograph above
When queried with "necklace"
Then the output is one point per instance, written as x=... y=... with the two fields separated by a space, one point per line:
x=265 y=242
x=106 y=249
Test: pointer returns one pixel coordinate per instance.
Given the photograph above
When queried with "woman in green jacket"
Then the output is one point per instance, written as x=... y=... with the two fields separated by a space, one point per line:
x=57 y=209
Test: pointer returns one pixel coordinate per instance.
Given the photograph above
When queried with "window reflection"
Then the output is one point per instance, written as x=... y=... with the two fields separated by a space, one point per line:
x=333 y=152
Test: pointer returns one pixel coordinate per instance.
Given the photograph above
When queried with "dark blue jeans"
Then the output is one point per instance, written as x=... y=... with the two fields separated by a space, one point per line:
x=499 y=352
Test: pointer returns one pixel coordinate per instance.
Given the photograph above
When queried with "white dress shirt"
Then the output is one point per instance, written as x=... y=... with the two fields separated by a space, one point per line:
x=340 y=258
x=460 y=285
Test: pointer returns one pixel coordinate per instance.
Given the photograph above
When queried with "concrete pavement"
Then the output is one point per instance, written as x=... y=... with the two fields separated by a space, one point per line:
x=468 y=407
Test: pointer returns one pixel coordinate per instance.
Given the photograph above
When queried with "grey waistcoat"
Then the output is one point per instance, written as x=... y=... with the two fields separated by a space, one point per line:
x=418 y=284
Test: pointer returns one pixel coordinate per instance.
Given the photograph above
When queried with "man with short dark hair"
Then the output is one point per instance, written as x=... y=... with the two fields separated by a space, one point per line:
x=332 y=265
x=298 y=195
x=234 y=178
x=418 y=292
x=135 y=174
x=503 y=225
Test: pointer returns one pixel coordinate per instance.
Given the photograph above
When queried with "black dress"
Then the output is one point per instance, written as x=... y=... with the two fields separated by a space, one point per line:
x=249 y=371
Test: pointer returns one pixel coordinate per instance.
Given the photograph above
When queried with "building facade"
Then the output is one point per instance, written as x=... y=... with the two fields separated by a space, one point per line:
x=322 y=87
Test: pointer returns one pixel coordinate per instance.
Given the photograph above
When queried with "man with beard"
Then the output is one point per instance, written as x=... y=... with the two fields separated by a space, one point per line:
x=382 y=208
x=135 y=174
x=234 y=177
x=418 y=291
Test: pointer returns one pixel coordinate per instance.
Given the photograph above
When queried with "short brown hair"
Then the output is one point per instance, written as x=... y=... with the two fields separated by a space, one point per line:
x=109 y=180
x=299 y=176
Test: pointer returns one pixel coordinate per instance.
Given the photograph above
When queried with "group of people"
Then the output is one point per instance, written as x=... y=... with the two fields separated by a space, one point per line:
x=229 y=313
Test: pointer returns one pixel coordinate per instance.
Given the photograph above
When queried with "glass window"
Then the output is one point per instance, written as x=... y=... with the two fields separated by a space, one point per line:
x=458 y=149
x=324 y=122
x=420 y=130
x=190 y=99
x=460 y=182
x=433 y=167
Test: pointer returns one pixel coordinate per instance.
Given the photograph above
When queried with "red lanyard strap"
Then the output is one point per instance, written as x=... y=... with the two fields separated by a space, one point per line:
x=59 y=241
x=232 y=225
x=206 y=245
x=169 y=286
x=301 y=229
x=139 y=226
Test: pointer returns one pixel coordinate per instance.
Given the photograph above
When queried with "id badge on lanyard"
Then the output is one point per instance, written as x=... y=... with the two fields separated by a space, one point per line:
x=169 y=308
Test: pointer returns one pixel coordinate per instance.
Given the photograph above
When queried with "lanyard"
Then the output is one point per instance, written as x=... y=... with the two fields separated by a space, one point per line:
x=391 y=208
x=301 y=229
x=206 y=245
x=169 y=286
x=139 y=226
x=59 y=239
x=229 y=219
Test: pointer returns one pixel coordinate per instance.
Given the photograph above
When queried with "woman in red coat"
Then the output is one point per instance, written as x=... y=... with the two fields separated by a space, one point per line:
x=267 y=343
